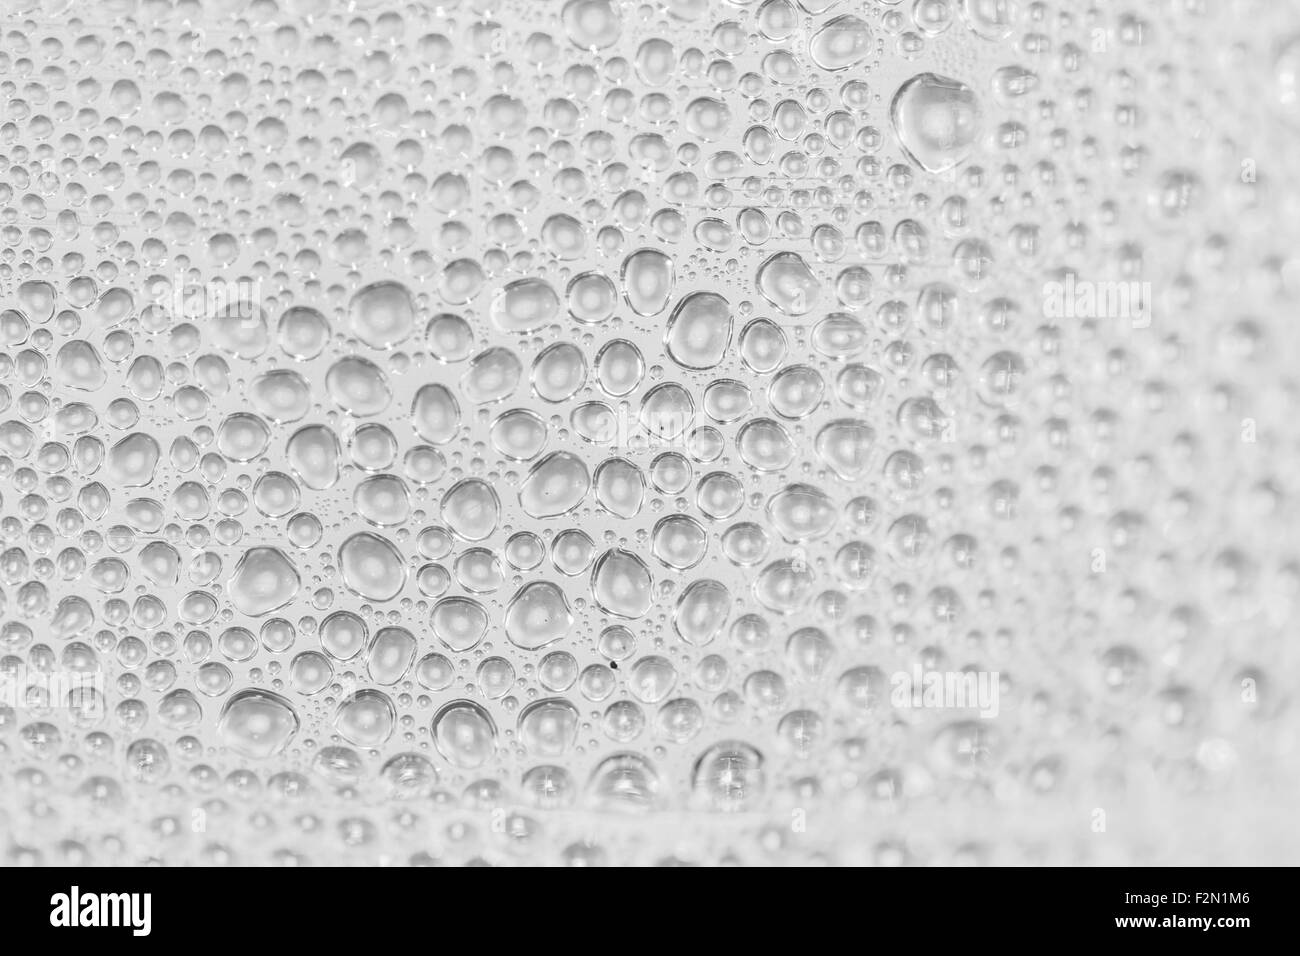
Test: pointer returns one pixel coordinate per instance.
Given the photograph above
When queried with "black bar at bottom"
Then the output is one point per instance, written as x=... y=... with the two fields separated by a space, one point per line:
x=1222 y=906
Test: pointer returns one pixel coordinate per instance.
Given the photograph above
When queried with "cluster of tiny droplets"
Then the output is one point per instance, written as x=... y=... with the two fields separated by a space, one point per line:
x=529 y=431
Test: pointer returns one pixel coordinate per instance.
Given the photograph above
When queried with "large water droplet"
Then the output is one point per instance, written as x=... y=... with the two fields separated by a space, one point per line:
x=538 y=615
x=263 y=581
x=786 y=281
x=621 y=584
x=554 y=486
x=937 y=120
x=840 y=43
x=699 y=331
x=647 y=281
x=257 y=723
x=372 y=566
x=382 y=314
x=464 y=734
